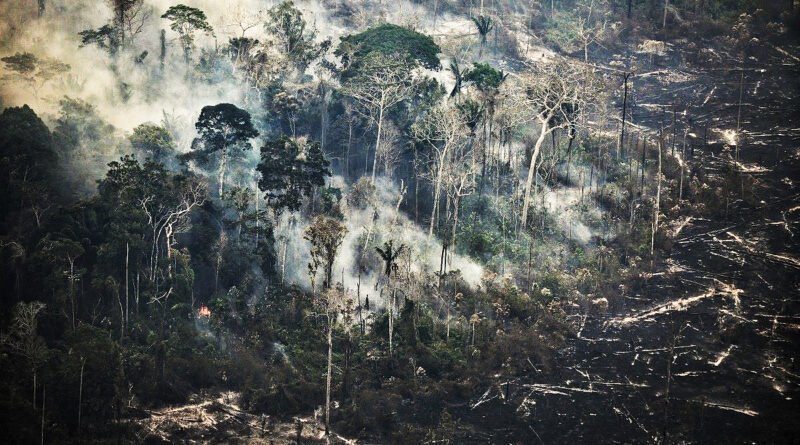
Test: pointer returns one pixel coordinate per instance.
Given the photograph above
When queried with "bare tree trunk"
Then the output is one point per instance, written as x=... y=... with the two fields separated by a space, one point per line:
x=328 y=376
x=455 y=221
x=323 y=118
x=667 y=388
x=683 y=165
x=658 y=199
x=437 y=190
x=377 y=139
x=674 y=128
x=127 y=287
x=473 y=335
x=624 y=109
x=739 y=114
x=136 y=291
x=644 y=161
x=44 y=400
x=349 y=144
x=80 y=395
x=447 y=335
x=163 y=55
x=222 y=165
x=391 y=324
x=72 y=289
x=358 y=299
x=42 y=7
x=532 y=170
x=283 y=260
x=258 y=219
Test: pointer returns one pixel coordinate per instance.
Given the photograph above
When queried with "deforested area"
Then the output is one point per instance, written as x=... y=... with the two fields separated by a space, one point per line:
x=407 y=222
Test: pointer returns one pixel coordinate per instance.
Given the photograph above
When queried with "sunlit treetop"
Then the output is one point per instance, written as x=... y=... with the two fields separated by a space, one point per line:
x=225 y=124
x=186 y=21
x=185 y=17
x=389 y=40
x=484 y=77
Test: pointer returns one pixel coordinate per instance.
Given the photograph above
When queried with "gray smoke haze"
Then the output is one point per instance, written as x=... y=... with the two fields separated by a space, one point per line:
x=424 y=251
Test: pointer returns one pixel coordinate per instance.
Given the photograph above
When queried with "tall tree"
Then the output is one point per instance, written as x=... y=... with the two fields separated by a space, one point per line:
x=223 y=129
x=28 y=168
x=23 y=338
x=381 y=83
x=487 y=81
x=390 y=40
x=485 y=25
x=333 y=302
x=325 y=235
x=186 y=21
x=443 y=131
x=552 y=94
x=389 y=255
x=129 y=19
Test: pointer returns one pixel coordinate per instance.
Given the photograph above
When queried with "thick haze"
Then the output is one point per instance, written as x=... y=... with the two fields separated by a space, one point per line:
x=170 y=95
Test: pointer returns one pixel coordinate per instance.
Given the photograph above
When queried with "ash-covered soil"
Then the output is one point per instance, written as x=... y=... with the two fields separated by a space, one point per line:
x=703 y=349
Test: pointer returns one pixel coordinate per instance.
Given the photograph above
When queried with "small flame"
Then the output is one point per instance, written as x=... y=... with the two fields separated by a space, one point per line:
x=204 y=311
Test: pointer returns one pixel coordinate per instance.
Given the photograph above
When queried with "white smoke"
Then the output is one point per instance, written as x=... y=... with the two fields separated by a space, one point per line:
x=383 y=222
x=127 y=94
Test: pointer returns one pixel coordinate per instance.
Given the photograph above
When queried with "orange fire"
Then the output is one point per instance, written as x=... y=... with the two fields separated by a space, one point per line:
x=204 y=311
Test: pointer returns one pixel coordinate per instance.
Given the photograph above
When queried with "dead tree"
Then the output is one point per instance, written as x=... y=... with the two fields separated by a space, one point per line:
x=444 y=131
x=552 y=94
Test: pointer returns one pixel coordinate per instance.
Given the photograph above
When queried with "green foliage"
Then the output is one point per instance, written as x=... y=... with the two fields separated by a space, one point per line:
x=472 y=111
x=240 y=48
x=152 y=140
x=225 y=126
x=105 y=37
x=485 y=78
x=22 y=338
x=27 y=161
x=389 y=40
x=458 y=77
x=186 y=20
x=561 y=30
x=92 y=353
x=362 y=194
x=78 y=124
x=330 y=198
x=389 y=255
x=224 y=131
x=325 y=235
x=290 y=171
